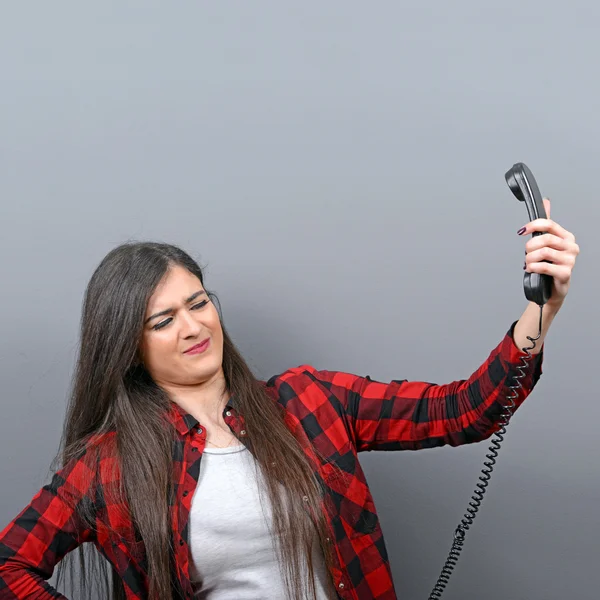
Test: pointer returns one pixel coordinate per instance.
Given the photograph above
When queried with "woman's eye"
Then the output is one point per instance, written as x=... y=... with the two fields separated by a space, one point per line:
x=167 y=321
x=162 y=324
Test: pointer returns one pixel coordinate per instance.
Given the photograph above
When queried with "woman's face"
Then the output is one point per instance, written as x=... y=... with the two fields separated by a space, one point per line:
x=180 y=315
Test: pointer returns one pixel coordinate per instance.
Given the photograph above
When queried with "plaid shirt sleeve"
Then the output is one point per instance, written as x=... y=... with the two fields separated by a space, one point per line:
x=410 y=415
x=44 y=531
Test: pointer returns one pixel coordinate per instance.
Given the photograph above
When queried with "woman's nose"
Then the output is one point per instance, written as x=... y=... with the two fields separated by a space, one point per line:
x=189 y=325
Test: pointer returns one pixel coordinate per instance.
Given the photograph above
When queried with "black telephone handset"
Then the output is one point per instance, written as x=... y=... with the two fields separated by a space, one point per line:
x=522 y=183
x=538 y=289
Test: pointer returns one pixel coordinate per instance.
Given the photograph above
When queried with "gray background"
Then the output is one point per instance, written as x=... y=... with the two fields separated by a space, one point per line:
x=339 y=168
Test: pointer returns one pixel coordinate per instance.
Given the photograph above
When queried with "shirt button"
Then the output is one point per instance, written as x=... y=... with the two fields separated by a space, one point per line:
x=228 y=413
x=185 y=493
x=243 y=432
x=341 y=586
x=199 y=430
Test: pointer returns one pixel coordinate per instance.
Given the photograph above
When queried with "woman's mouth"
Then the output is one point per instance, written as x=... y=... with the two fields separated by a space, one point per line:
x=198 y=348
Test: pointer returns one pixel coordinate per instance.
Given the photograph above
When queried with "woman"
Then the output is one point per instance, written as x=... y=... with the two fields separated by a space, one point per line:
x=193 y=479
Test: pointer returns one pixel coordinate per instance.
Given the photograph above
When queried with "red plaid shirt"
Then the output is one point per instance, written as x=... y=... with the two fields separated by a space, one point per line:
x=339 y=413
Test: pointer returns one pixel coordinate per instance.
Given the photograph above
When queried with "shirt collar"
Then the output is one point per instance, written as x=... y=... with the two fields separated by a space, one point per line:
x=184 y=421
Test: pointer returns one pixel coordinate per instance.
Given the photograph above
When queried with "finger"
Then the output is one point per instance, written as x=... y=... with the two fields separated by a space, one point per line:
x=562 y=273
x=549 y=226
x=546 y=239
x=558 y=257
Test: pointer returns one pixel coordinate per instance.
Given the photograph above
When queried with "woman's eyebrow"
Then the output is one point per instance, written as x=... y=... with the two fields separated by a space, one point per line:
x=170 y=310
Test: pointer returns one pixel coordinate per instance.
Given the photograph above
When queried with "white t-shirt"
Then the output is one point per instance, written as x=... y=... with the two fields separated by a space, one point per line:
x=232 y=552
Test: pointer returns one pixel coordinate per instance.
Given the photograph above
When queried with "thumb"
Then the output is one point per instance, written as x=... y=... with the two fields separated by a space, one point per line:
x=547 y=207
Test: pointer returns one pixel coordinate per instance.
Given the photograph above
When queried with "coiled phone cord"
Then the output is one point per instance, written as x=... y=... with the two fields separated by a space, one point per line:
x=461 y=530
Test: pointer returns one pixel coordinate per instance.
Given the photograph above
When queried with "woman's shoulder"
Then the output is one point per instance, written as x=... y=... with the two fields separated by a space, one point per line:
x=308 y=383
x=96 y=452
x=103 y=443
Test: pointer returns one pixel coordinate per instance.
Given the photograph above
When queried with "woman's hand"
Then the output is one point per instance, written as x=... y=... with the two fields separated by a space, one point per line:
x=557 y=245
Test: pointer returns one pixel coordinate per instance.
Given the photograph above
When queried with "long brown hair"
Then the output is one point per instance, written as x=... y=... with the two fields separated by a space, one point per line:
x=112 y=392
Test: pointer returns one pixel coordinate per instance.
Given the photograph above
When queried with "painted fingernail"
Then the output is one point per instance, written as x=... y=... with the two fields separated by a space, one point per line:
x=521 y=231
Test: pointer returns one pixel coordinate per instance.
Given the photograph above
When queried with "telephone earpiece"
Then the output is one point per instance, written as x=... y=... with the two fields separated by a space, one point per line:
x=522 y=183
